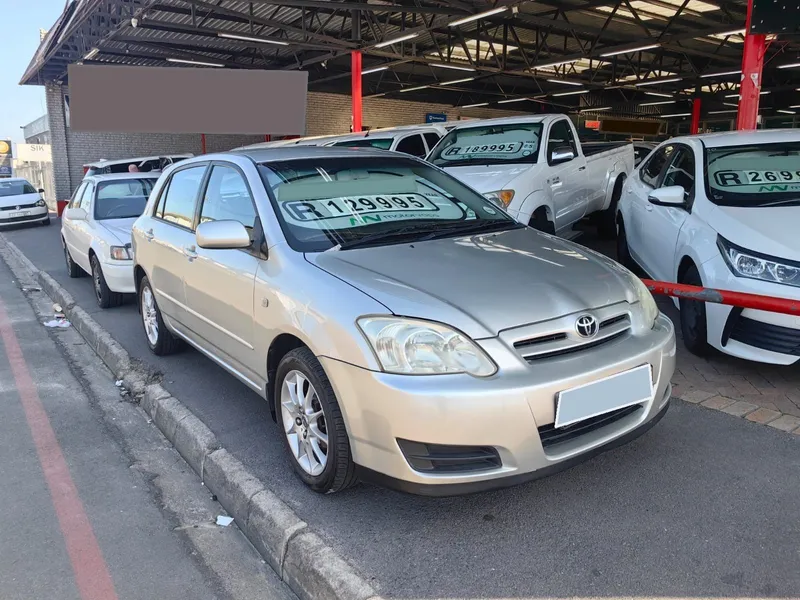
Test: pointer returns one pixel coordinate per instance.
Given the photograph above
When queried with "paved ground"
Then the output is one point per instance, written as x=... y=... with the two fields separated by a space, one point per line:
x=704 y=505
x=93 y=511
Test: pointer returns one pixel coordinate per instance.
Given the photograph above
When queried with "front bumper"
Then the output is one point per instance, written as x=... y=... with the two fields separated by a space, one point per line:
x=36 y=214
x=119 y=277
x=508 y=412
x=750 y=334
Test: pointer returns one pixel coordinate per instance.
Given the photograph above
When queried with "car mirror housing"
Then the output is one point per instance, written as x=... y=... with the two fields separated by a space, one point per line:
x=222 y=235
x=75 y=214
x=561 y=154
x=673 y=195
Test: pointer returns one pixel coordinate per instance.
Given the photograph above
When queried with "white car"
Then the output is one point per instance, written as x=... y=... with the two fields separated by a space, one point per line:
x=96 y=231
x=20 y=202
x=145 y=164
x=537 y=170
x=722 y=211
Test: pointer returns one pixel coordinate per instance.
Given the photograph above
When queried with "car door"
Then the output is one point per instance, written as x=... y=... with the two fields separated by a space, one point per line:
x=642 y=182
x=662 y=224
x=220 y=283
x=81 y=230
x=68 y=225
x=171 y=235
x=565 y=179
x=413 y=145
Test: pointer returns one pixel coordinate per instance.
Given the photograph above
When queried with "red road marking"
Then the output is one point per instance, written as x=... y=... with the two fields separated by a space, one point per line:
x=91 y=573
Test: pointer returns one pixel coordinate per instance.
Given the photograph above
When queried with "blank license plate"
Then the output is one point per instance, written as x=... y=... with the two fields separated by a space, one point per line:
x=14 y=215
x=602 y=396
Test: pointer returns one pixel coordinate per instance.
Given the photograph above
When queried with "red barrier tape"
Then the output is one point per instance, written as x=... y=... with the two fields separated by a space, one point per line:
x=755 y=301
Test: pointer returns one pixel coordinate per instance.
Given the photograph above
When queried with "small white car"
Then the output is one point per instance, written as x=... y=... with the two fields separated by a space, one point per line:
x=21 y=203
x=145 y=164
x=722 y=211
x=96 y=231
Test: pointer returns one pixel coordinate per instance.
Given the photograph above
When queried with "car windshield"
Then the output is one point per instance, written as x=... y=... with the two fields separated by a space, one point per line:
x=15 y=188
x=754 y=176
x=489 y=145
x=121 y=199
x=367 y=142
x=323 y=203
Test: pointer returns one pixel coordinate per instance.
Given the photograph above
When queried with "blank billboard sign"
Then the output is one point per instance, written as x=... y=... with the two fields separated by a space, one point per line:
x=187 y=100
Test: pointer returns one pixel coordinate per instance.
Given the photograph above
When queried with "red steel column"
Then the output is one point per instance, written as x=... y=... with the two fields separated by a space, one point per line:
x=752 y=62
x=695 y=116
x=203 y=143
x=355 y=74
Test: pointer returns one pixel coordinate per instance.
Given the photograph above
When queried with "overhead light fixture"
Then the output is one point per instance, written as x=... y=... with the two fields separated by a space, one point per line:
x=194 y=62
x=659 y=94
x=414 y=89
x=722 y=112
x=731 y=32
x=571 y=93
x=91 y=54
x=583 y=110
x=678 y=115
x=658 y=103
x=247 y=38
x=786 y=112
x=134 y=22
x=450 y=66
x=657 y=81
x=455 y=81
x=374 y=70
x=555 y=64
x=730 y=104
x=402 y=38
x=629 y=50
x=474 y=105
x=764 y=93
x=482 y=15
x=789 y=66
x=795 y=106
x=564 y=82
x=722 y=74
x=512 y=100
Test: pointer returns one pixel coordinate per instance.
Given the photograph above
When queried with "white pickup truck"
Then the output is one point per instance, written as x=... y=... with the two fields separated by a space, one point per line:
x=537 y=170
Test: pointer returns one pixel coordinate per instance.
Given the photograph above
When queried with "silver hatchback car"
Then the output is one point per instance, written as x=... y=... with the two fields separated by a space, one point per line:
x=402 y=328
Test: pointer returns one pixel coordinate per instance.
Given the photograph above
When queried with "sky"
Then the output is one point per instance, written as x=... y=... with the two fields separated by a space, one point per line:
x=20 y=21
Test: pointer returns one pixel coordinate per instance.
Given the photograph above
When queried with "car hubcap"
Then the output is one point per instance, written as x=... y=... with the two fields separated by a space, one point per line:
x=149 y=316
x=304 y=423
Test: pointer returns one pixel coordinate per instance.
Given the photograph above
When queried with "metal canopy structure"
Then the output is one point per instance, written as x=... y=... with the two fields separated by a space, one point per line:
x=645 y=58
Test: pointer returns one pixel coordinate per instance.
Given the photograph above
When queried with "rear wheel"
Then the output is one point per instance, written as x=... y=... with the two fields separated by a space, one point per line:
x=314 y=432
x=73 y=270
x=159 y=338
x=694 y=326
x=106 y=298
x=607 y=219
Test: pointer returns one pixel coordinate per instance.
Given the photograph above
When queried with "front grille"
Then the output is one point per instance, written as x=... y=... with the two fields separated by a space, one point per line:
x=439 y=458
x=21 y=219
x=560 y=343
x=573 y=349
x=20 y=207
x=766 y=336
x=550 y=436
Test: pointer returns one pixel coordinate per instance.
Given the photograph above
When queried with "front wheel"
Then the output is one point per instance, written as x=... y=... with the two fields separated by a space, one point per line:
x=623 y=252
x=694 y=325
x=606 y=220
x=106 y=298
x=313 y=428
x=159 y=339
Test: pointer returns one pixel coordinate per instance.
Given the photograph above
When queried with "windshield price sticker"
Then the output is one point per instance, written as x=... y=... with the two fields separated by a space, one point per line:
x=305 y=211
x=736 y=178
x=482 y=150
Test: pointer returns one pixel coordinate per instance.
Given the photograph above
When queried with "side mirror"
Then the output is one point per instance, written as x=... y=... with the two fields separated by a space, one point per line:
x=41 y=190
x=673 y=195
x=222 y=235
x=561 y=154
x=75 y=214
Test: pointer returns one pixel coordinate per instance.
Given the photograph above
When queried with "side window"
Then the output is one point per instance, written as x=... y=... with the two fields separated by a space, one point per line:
x=561 y=136
x=86 y=197
x=652 y=168
x=681 y=171
x=227 y=198
x=180 y=197
x=412 y=145
x=76 y=197
x=432 y=139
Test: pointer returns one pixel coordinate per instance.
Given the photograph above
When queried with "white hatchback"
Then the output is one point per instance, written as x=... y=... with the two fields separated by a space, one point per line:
x=721 y=211
x=21 y=203
x=96 y=231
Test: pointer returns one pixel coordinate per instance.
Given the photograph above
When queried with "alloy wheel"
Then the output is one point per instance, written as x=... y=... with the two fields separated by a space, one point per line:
x=150 y=316
x=304 y=423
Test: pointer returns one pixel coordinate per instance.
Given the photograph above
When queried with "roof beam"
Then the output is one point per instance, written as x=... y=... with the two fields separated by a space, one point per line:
x=327 y=5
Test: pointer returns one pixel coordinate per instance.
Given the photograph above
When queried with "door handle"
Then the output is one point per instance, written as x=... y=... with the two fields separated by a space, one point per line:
x=555 y=180
x=149 y=235
x=190 y=252
x=581 y=168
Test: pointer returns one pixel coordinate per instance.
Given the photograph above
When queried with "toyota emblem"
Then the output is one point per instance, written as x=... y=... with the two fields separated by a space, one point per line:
x=586 y=326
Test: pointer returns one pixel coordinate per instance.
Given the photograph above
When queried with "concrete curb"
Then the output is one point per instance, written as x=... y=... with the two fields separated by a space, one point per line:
x=310 y=567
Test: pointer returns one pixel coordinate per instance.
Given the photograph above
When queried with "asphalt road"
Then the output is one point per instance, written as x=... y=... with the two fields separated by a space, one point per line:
x=704 y=505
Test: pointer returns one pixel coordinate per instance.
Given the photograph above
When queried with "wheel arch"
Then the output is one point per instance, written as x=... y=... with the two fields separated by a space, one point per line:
x=280 y=347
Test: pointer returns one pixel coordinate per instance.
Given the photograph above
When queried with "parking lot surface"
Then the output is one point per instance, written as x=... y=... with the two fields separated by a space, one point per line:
x=704 y=505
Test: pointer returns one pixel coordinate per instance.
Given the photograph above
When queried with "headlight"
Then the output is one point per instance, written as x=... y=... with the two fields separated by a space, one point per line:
x=41 y=202
x=649 y=306
x=120 y=253
x=412 y=347
x=501 y=198
x=744 y=263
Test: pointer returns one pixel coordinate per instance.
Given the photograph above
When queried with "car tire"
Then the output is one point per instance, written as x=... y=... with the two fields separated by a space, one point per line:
x=106 y=298
x=323 y=462
x=159 y=339
x=694 y=325
x=607 y=219
x=46 y=222
x=623 y=252
x=73 y=270
x=540 y=222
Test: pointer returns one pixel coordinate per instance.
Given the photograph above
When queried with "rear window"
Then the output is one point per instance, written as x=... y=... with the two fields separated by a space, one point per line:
x=382 y=143
x=15 y=188
x=756 y=175
x=489 y=145
x=121 y=199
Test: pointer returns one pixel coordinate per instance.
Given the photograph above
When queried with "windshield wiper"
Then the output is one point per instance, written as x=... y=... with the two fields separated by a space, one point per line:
x=478 y=226
x=409 y=231
x=781 y=202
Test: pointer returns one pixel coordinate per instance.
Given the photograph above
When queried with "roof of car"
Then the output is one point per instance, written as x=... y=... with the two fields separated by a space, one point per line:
x=5 y=179
x=743 y=138
x=117 y=176
x=300 y=152
x=116 y=161
x=508 y=120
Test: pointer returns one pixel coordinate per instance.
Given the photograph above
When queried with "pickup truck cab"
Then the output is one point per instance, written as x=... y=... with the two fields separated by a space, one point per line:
x=536 y=169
